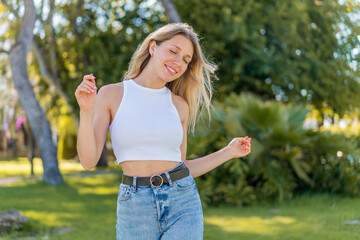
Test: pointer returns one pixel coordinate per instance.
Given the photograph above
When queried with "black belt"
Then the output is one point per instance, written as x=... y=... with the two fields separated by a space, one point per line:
x=157 y=180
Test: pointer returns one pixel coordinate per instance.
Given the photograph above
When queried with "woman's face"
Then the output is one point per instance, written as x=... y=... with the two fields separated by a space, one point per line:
x=172 y=57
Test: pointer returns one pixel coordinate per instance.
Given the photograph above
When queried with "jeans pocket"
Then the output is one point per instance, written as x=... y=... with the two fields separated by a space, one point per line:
x=125 y=192
x=186 y=183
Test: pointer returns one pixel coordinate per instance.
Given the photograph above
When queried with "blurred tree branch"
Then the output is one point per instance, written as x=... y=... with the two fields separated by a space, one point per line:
x=170 y=11
x=12 y=10
x=4 y=51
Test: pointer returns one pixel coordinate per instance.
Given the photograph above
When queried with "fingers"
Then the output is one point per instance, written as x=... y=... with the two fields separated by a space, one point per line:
x=84 y=88
x=245 y=144
x=246 y=149
x=246 y=140
x=90 y=78
x=87 y=85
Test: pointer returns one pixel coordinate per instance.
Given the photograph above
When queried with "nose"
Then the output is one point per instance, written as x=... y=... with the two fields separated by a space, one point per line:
x=177 y=60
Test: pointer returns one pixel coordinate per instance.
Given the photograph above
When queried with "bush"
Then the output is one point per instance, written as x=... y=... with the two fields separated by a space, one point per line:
x=285 y=157
x=67 y=138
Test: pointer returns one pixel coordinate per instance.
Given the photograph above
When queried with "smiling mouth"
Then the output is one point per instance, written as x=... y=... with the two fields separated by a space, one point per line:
x=170 y=69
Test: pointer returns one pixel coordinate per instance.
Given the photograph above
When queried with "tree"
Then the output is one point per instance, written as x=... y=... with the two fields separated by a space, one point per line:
x=294 y=51
x=37 y=120
x=170 y=11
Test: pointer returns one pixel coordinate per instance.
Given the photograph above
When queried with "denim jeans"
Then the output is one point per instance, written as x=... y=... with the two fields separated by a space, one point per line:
x=169 y=212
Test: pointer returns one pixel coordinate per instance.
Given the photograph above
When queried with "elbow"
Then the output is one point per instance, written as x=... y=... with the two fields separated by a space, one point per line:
x=87 y=165
x=87 y=160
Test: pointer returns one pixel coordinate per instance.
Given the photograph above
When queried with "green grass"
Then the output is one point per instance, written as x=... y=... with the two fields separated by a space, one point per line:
x=87 y=207
x=308 y=217
x=21 y=167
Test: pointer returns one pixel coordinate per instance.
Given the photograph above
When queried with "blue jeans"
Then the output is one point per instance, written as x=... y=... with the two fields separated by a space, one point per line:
x=169 y=212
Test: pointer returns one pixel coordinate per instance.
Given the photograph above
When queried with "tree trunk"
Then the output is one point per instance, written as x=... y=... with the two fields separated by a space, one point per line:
x=170 y=11
x=30 y=142
x=38 y=123
x=53 y=81
x=31 y=154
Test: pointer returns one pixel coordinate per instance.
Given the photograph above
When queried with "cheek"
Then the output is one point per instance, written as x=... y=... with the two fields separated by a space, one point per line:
x=184 y=69
x=163 y=56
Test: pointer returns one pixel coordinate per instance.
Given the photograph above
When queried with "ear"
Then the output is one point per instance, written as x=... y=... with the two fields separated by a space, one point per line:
x=152 y=46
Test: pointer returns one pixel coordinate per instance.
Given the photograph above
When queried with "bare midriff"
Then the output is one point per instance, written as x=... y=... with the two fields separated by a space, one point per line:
x=145 y=168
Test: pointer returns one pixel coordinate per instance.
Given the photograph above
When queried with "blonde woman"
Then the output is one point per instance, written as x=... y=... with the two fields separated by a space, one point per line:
x=148 y=115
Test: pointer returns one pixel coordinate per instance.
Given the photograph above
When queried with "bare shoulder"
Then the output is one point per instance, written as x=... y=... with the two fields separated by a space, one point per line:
x=112 y=88
x=182 y=106
x=111 y=96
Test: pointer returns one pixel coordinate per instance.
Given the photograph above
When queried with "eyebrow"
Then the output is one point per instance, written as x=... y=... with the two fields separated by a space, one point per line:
x=187 y=55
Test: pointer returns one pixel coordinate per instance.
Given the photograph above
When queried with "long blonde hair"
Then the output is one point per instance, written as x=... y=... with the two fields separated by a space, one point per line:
x=194 y=85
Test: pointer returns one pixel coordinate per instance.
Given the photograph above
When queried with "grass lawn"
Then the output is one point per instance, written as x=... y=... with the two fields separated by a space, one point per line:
x=86 y=207
x=21 y=167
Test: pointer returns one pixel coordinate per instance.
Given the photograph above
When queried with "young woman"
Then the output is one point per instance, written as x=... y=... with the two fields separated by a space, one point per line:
x=148 y=115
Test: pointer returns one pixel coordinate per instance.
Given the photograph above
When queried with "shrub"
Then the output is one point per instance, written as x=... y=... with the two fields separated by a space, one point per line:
x=285 y=157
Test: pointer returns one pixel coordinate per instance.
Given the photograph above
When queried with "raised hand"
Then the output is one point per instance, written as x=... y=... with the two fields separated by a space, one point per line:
x=86 y=92
x=239 y=147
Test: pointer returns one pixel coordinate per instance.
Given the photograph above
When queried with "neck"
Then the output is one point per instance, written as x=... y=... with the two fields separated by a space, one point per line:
x=149 y=78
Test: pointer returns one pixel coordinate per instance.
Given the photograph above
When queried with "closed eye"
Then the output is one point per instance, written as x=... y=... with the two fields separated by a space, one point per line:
x=175 y=53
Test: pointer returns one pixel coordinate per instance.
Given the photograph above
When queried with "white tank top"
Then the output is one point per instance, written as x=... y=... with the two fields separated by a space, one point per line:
x=146 y=125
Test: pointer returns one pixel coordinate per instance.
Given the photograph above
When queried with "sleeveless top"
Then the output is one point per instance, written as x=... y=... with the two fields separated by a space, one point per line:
x=146 y=125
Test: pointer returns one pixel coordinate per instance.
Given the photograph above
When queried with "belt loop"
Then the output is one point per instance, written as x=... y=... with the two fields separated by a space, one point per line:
x=168 y=177
x=134 y=183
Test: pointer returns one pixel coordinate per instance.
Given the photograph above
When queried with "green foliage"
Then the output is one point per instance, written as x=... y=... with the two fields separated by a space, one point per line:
x=30 y=229
x=285 y=157
x=101 y=39
x=334 y=163
x=296 y=51
x=67 y=138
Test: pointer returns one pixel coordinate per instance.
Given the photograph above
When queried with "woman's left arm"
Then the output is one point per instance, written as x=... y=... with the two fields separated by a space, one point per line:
x=238 y=147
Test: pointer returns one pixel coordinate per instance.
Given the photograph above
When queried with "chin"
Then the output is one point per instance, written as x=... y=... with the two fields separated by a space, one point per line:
x=168 y=79
x=173 y=79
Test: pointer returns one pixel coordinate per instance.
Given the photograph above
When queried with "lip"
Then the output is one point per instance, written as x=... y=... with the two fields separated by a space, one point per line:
x=167 y=68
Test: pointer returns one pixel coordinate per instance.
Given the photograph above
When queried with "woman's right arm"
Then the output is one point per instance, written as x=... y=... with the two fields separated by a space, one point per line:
x=94 y=122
